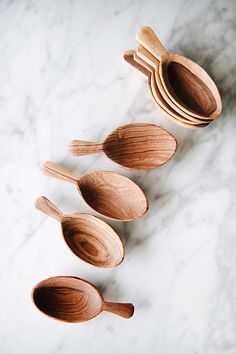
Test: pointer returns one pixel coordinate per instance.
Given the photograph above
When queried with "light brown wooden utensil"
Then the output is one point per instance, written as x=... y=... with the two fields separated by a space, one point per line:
x=157 y=86
x=136 y=146
x=109 y=193
x=71 y=299
x=88 y=237
x=131 y=57
x=182 y=119
x=188 y=86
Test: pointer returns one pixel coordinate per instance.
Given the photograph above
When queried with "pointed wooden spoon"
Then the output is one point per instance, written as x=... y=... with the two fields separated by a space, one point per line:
x=88 y=237
x=109 y=193
x=71 y=299
x=186 y=83
x=137 y=146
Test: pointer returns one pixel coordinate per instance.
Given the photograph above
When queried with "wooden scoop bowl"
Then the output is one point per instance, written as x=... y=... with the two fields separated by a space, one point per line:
x=71 y=299
x=133 y=59
x=188 y=86
x=109 y=193
x=137 y=146
x=158 y=89
x=88 y=237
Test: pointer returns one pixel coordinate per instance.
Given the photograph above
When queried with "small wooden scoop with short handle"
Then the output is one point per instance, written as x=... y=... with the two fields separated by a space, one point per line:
x=109 y=193
x=139 y=146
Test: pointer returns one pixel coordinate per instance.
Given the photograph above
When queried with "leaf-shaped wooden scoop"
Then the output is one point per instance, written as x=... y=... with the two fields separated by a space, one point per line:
x=158 y=88
x=186 y=83
x=88 y=237
x=72 y=299
x=109 y=193
x=133 y=59
x=137 y=146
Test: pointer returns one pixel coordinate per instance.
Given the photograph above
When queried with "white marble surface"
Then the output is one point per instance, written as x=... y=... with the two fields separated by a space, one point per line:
x=63 y=77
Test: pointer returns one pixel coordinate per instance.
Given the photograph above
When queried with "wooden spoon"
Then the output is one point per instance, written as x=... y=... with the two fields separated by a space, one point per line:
x=186 y=83
x=137 y=146
x=71 y=299
x=156 y=83
x=109 y=193
x=131 y=57
x=88 y=237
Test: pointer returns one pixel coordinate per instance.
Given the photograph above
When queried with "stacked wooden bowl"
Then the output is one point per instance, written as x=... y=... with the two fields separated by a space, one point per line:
x=179 y=87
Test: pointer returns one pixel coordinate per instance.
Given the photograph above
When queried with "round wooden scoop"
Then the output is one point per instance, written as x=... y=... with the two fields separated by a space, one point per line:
x=72 y=299
x=186 y=83
x=109 y=193
x=137 y=146
x=88 y=237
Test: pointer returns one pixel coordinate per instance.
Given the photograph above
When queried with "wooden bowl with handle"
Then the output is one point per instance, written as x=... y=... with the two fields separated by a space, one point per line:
x=88 y=237
x=138 y=146
x=71 y=299
x=186 y=83
x=110 y=194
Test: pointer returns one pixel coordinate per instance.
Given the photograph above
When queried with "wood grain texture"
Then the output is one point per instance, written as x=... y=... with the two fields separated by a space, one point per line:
x=109 y=193
x=190 y=90
x=138 y=146
x=159 y=100
x=182 y=82
x=154 y=84
x=146 y=35
x=192 y=80
x=93 y=240
x=159 y=90
x=47 y=207
x=88 y=237
x=129 y=58
x=54 y=170
x=113 y=195
x=124 y=310
x=82 y=147
x=71 y=299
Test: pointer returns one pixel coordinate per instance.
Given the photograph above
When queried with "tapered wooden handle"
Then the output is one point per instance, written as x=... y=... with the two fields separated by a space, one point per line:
x=149 y=40
x=57 y=171
x=146 y=56
x=129 y=57
x=144 y=64
x=123 y=310
x=47 y=207
x=81 y=147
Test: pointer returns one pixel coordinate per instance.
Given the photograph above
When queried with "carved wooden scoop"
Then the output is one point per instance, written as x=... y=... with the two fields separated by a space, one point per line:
x=133 y=59
x=159 y=91
x=88 y=237
x=137 y=146
x=109 y=193
x=186 y=83
x=72 y=299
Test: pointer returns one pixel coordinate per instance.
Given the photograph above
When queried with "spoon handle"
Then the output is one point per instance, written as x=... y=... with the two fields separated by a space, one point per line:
x=143 y=63
x=47 y=207
x=123 y=310
x=57 y=171
x=146 y=56
x=81 y=147
x=129 y=57
x=149 y=40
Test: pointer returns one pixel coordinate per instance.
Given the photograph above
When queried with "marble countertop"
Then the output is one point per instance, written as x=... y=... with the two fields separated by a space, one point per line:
x=62 y=78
